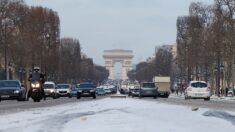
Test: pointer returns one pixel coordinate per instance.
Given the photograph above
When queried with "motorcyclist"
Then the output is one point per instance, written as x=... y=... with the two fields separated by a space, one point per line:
x=36 y=75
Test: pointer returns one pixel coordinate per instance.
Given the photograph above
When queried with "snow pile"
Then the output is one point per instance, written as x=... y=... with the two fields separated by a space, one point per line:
x=117 y=115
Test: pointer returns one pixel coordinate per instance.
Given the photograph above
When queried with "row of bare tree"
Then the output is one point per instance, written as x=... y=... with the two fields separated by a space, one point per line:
x=206 y=43
x=160 y=65
x=30 y=36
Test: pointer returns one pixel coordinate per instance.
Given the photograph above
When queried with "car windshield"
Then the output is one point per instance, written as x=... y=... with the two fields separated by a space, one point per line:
x=47 y=86
x=148 y=85
x=86 y=85
x=9 y=84
x=100 y=89
x=199 y=85
x=63 y=86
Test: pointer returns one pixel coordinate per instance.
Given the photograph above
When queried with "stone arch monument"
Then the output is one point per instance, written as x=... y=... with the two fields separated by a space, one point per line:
x=118 y=56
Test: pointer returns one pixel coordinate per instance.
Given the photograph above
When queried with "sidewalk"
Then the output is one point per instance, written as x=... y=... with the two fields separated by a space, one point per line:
x=222 y=98
x=213 y=97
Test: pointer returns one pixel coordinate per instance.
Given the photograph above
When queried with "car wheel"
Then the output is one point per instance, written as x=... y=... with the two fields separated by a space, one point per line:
x=167 y=96
x=70 y=96
x=155 y=96
x=78 y=97
x=24 y=98
x=94 y=96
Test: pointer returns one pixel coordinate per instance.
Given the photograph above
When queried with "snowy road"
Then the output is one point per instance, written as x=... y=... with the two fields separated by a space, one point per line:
x=7 y=106
x=117 y=115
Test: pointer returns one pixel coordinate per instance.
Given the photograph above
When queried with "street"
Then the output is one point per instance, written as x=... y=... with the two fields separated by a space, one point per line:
x=107 y=114
x=15 y=106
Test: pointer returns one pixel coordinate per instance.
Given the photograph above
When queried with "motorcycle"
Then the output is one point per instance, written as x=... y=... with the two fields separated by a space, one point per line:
x=36 y=91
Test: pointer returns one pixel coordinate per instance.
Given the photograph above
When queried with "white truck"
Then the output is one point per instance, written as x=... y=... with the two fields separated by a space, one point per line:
x=163 y=84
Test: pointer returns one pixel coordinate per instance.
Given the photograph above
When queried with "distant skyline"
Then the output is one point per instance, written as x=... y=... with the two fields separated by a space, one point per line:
x=137 y=25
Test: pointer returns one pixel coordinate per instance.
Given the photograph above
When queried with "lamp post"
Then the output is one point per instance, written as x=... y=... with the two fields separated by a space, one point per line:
x=4 y=23
x=47 y=54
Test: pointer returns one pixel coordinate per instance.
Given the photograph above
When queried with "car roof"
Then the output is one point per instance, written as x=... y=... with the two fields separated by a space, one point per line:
x=49 y=83
x=9 y=80
x=148 y=82
x=197 y=81
x=63 y=84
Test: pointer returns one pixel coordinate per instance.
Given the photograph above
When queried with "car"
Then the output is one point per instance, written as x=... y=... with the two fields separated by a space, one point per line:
x=63 y=90
x=50 y=89
x=113 y=89
x=134 y=91
x=107 y=90
x=230 y=92
x=100 y=91
x=12 y=90
x=86 y=89
x=73 y=92
x=198 y=90
x=148 y=89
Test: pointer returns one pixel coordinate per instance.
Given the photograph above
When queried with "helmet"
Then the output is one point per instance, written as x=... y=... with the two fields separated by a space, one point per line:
x=36 y=69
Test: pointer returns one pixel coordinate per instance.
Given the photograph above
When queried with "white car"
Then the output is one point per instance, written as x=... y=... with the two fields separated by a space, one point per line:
x=50 y=89
x=63 y=90
x=198 y=90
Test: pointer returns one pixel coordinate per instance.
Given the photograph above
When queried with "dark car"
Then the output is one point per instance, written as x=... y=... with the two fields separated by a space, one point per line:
x=12 y=89
x=86 y=90
x=74 y=91
x=113 y=89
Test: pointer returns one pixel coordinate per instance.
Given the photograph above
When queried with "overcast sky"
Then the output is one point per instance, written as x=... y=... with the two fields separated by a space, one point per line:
x=137 y=25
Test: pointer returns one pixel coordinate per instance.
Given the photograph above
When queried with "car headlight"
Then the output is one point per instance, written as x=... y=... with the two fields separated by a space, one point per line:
x=17 y=91
x=79 y=91
x=92 y=90
x=52 y=90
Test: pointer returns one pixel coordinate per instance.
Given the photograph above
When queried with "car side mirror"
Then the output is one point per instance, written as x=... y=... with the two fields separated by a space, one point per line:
x=22 y=85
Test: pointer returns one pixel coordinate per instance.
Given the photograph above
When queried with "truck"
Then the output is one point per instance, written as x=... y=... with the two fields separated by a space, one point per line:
x=163 y=84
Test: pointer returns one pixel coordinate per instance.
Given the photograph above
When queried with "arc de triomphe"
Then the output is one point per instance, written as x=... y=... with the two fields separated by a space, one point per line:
x=118 y=56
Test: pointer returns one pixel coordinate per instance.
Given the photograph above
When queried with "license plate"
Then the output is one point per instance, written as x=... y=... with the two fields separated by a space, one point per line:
x=5 y=96
x=198 y=94
x=149 y=92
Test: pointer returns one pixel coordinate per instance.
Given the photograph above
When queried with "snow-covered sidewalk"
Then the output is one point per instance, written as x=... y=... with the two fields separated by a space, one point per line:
x=118 y=115
x=213 y=97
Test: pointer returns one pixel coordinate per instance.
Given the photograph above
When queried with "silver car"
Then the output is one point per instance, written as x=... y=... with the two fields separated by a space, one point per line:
x=50 y=89
x=148 y=89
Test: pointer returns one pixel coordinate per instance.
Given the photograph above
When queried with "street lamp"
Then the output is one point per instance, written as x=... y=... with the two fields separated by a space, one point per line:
x=47 y=36
x=4 y=23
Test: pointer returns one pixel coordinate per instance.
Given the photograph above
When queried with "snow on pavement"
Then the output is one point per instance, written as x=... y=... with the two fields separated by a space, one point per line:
x=117 y=115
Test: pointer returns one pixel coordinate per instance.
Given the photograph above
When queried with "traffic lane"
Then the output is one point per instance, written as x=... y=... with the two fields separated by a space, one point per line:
x=11 y=106
x=212 y=104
